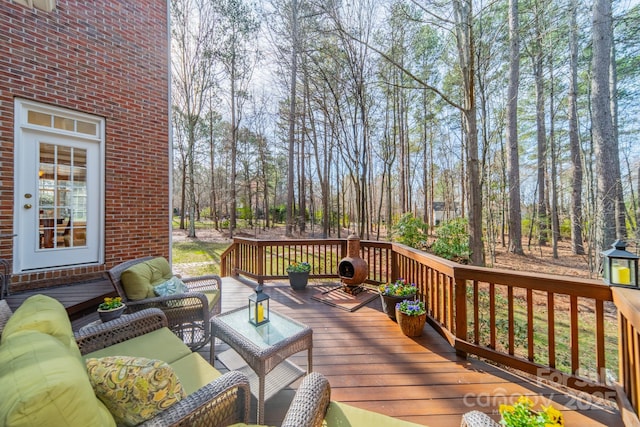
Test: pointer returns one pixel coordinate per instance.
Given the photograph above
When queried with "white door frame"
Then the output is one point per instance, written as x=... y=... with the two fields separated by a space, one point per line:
x=37 y=123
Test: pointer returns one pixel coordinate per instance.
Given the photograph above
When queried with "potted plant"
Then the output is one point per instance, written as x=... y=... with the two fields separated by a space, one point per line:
x=523 y=414
x=298 y=274
x=111 y=308
x=393 y=293
x=411 y=317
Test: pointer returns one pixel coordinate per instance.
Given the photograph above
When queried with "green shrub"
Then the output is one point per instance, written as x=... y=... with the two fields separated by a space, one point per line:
x=452 y=240
x=410 y=231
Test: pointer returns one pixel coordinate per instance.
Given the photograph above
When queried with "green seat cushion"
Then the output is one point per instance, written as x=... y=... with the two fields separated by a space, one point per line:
x=44 y=314
x=343 y=415
x=43 y=384
x=194 y=372
x=135 y=389
x=212 y=297
x=138 y=280
x=161 y=344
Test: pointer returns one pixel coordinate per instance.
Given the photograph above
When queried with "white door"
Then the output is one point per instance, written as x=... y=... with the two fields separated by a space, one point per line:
x=58 y=198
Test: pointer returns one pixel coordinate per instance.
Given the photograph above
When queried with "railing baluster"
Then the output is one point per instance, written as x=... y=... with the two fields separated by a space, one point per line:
x=476 y=313
x=511 y=328
x=551 y=328
x=492 y=316
x=600 y=340
x=574 y=340
x=530 y=328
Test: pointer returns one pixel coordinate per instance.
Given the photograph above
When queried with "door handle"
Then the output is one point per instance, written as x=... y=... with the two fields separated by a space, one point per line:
x=27 y=206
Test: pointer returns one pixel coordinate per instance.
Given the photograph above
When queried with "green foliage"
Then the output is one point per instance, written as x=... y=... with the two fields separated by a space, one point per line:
x=410 y=231
x=452 y=240
x=299 y=267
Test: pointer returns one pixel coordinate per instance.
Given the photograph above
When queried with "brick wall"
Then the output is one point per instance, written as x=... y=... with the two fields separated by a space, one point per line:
x=108 y=58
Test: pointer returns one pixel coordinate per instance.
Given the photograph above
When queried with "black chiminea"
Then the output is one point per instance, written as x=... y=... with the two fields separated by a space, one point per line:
x=352 y=269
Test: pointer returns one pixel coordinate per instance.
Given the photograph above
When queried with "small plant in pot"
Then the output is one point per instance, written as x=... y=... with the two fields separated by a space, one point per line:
x=393 y=293
x=111 y=308
x=411 y=317
x=299 y=274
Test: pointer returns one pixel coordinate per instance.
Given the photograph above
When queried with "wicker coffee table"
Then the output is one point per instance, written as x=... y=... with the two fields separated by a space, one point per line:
x=265 y=348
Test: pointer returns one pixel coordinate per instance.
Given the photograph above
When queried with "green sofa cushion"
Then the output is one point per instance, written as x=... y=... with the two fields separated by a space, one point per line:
x=43 y=314
x=138 y=280
x=194 y=372
x=43 y=384
x=343 y=415
x=161 y=344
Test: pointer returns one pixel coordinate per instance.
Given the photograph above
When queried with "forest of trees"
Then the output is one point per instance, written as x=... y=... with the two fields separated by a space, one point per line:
x=522 y=117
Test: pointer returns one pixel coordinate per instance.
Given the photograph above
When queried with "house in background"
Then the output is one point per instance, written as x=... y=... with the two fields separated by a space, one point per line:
x=84 y=137
x=443 y=211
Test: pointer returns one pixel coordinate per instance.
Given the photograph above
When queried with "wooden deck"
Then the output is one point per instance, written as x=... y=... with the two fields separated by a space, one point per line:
x=79 y=299
x=371 y=365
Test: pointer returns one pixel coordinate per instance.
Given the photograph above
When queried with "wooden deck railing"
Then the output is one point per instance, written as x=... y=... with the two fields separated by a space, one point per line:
x=557 y=328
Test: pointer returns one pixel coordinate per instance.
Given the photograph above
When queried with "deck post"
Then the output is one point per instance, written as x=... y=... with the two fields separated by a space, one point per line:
x=460 y=293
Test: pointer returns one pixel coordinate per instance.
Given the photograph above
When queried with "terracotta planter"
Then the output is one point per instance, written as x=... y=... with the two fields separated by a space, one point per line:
x=107 y=315
x=389 y=304
x=298 y=279
x=411 y=326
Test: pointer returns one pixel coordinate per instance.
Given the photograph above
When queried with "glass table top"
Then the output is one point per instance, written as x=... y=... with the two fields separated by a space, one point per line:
x=277 y=329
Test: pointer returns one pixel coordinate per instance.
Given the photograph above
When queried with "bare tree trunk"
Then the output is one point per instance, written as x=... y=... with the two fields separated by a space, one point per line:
x=577 y=245
x=621 y=223
x=541 y=131
x=602 y=125
x=555 y=222
x=466 y=56
x=292 y=117
x=513 y=160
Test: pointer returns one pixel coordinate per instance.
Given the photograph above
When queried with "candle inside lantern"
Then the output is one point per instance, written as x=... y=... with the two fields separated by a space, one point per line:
x=261 y=312
x=620 y=275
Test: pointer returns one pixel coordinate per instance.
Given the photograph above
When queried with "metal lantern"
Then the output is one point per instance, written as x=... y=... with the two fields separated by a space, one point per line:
x=258 y=307
x=620 y=268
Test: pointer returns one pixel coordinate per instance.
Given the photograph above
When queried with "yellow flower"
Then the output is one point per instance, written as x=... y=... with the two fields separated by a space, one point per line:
x=523 y=400
x=505 y=408
x=554 y=415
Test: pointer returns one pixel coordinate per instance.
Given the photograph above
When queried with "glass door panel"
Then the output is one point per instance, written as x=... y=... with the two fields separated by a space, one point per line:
x=62 y=196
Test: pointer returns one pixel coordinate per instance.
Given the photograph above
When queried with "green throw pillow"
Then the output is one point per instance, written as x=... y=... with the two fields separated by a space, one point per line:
x=134 y=389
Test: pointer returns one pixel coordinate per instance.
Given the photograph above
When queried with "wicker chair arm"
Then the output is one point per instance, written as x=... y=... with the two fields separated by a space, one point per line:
x=310 y=402
x=477 y=419
x=189 y=300
x=203 y=283
x=129 y=326
x=222 y=402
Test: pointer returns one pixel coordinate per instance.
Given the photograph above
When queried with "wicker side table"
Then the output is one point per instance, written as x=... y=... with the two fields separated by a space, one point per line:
x=265 y=348
x=478 y=419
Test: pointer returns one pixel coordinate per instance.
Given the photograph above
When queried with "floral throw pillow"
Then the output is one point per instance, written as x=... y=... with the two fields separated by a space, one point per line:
x=134 y=389
x=170 y=287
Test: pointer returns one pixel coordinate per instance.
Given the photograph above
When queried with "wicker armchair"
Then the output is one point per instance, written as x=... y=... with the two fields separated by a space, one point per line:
x=188 y=314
